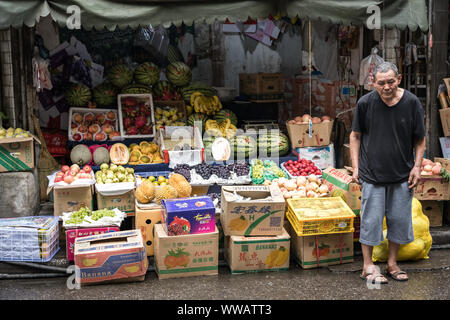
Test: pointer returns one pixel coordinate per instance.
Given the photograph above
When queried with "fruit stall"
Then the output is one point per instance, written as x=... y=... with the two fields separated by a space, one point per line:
x=140 y=145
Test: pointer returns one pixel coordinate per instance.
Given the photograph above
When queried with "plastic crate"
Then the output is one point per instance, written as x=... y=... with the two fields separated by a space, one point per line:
x=33 y=239
x=314 y=216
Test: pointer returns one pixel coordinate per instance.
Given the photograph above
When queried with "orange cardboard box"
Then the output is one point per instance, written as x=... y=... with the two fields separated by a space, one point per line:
x=146 y=219
x=17 y=154
x=300 y=137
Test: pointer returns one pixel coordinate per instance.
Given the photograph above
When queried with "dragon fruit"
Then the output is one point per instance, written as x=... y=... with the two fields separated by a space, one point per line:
x=147 y=129
x=132 y=131
x=140 y=121
x=127 y=122
x=129 y=111
x=144 y=110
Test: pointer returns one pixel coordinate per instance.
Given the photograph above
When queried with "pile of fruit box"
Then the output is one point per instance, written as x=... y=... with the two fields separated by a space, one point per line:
x=187 y=239
x=321 y=230
x=340 y=184
x=252 y=220
x=433 y=190
x=110 y=257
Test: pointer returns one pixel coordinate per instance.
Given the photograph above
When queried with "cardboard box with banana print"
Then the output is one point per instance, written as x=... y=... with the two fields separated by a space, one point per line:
x=254 y=254
x=252 y=210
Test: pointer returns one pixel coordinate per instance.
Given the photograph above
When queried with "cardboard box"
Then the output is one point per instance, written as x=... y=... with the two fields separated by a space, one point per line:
x=434 y=210
x=146 y=219
x=253 y=217
x=432 y=188
x=322 y=250
x=72 y=198
x=17 y=154
x=444 y=162
x=188 y=215
x=323 y=157
x=320 y=135
x=261 y=86
x=72 y=234
x=254 y=254
x=445 y=120
x=124 y=202
x=110 y=257
x=186 y=256
x=340 y=185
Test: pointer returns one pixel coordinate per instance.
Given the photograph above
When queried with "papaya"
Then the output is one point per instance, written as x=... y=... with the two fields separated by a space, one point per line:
x=119 y=154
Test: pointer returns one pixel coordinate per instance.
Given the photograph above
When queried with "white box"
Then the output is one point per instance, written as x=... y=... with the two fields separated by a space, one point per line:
x=147 y=97
x=323 y=157
x=445 y=146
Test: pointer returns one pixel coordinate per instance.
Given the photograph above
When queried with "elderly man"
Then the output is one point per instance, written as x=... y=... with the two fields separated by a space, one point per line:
x=388 y=127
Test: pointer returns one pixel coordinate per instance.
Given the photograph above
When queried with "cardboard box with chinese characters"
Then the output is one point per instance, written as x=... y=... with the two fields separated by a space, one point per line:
x=434 y=210
x=323 y=157
x=259 y=213
x=186 y=255
x=111 y=257
x=17 y=154
x=321 y=250
x=124 y=202
x=146 y=219
x=255 y=254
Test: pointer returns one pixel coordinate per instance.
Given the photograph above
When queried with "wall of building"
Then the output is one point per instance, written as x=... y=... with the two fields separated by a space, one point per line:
x=6 y=68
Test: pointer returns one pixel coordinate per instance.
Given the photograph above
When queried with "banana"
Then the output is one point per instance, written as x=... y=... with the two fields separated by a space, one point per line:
x=194 y=96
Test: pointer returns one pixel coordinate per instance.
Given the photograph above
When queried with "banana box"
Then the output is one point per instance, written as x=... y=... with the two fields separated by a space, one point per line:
x=254 y=254
x=252 y=210
x=186 y=255
x=111 y=257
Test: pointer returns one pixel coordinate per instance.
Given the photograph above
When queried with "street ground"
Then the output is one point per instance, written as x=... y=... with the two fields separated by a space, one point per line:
x=429 y=280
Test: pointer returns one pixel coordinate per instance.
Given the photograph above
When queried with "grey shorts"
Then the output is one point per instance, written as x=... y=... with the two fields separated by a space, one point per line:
x=394 y=201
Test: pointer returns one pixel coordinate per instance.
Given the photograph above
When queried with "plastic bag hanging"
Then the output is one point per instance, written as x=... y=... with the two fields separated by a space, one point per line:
x=41 y=75
x=155 y=41
x=367 y=68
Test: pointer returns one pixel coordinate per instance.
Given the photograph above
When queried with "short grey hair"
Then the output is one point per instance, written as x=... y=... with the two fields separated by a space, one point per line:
x=385 y=67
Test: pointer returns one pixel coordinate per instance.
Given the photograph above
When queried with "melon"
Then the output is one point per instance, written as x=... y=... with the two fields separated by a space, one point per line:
x=119 y=154
x=197 y=117
x=147 y=73
x=80 y=155
x=179 y=74
x=161 y=87
x=244 y=146
x=136 y=89
x=100 y=156
x=273 y=144
x=105 y=94
x=78 y=95
x=224 y=114
x=120 y=75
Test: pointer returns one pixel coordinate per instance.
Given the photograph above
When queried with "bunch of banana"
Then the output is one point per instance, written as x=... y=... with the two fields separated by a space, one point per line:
x=205 y=104
x=225 y=128
x=238 y=224
x=277 y=258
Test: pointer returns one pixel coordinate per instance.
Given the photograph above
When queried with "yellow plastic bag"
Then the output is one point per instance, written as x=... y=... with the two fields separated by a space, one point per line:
x=416 y=250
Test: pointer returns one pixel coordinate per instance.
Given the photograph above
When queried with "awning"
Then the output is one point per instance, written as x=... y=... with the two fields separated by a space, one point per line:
x=393 y=13
x=122 y=13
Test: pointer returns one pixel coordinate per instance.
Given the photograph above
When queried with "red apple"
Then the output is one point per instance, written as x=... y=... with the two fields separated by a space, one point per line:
x=75 y=168
x=59 y=179
x=87 y=169
x=111 y=115
x=77 y=137
x=65 y=168
x=100 y=118
x=68 y=179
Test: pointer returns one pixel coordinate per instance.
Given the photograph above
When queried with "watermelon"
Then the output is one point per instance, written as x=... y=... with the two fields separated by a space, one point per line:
x=179 y=74
x=273 y=145
x=78 y=95
x=162 y=86
x=244 y=146
x=136 y=89
x=120 y=75
x=224 y=114
x=147 y=73
x=207 y=90
x=197 y=117
x=105 y=94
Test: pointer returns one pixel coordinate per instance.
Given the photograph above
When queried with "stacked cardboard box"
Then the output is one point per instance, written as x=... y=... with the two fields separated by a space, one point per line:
x=186 y=242
x=252 y=219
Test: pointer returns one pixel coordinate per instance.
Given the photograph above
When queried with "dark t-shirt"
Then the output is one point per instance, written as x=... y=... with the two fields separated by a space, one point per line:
x=388 y=135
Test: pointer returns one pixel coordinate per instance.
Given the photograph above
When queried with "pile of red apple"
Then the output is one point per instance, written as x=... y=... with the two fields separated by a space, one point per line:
x=301 y=167
x=306 y=117
x=94 y=126
x=136 y=115
x=72 y=173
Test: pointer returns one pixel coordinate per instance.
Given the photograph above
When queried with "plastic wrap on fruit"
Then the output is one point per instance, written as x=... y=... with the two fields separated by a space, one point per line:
x=416 y=250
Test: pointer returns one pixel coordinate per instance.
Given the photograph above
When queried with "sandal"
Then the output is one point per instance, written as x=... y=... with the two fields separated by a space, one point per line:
x=376 y=275
x=395 y=275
